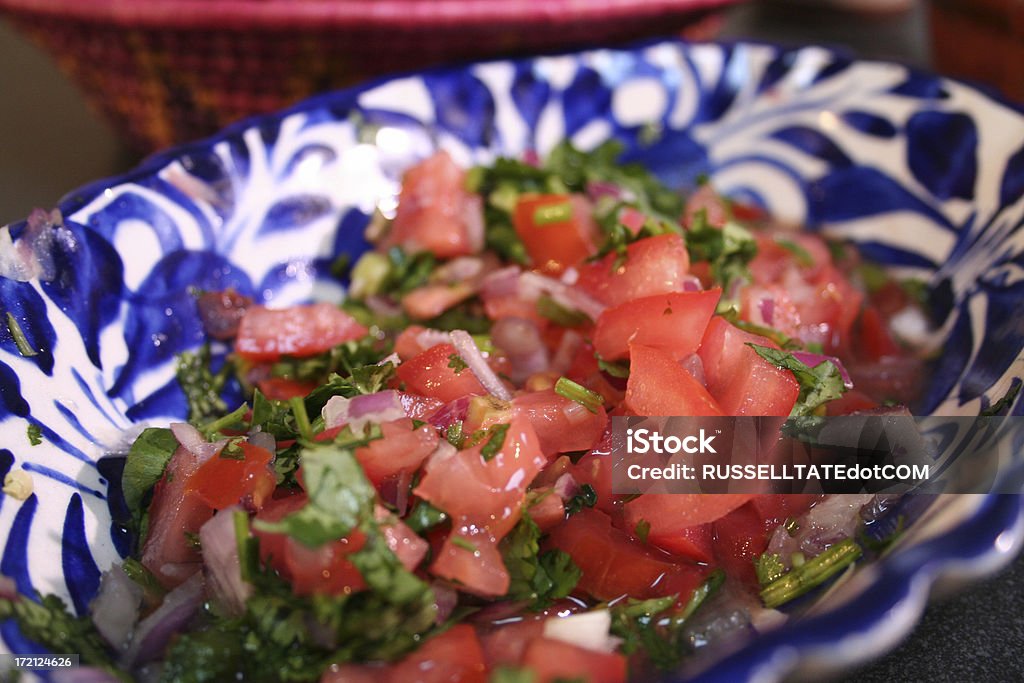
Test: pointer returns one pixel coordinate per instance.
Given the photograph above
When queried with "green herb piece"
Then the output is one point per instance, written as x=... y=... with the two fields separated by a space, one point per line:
x=585 y=498
x=880 y=545
x=495 y=441
x=212 y=654
x=552 y=213
x=49 y=623
x=591 y=400
x=298 y=406
x=800 y=254
x=34 y=433
x=535 y=577
x=202 y=386
x=153 y=591
x=21 y=342
x=424 y=517
x=248 y=546
x=460 y=542
x=810 y=574
x=508 y=674
x=456 y=363
x=559 y=314
x=618 y=369
x=454 y=434
x=369 y=275
x=873 y=276
x=643 y=530
x=771 y=333
x=768 y=567
x=147 y=459
x=407 y=271
x=657 y=627
x=216 y=427
x=365 y=379
x=792 y=526
x=1003 y=405
x=339 y=497
x=728 y=249
x=818 y=385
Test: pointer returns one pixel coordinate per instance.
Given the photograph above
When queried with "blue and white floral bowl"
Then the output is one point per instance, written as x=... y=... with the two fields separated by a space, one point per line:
x=924 y=173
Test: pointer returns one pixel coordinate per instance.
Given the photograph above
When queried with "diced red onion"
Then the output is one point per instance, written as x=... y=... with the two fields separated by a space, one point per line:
x=223 y=567
x=115 y=609
x=470 y=353
x=531 y=158
x=813 y=359
x=428 y=338
x=444 y=451
x=382 y=306
x=589 y=630
x=566 y=486
x=575 y=413
x=383 y=406
x=461 y=269
x=445 y=600
x=691 y=283
x=695 y=366
x=392 y=358
x=767 y=308
x=521 y=341
x=562 y=294
x=604 y=188
x=825 y=524
x=566 y=351
x=473 y=221
x=170 y=618
x=501 y=282
x=264 y=440
x=8 y=589
x=450 y=414
x=194 y=442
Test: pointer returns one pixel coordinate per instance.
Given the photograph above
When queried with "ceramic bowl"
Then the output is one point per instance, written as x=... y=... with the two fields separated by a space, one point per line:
x=926 y=174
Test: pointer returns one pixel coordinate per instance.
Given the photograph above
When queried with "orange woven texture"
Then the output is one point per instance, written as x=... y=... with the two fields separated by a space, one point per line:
x=165 y=86
x=982 y=40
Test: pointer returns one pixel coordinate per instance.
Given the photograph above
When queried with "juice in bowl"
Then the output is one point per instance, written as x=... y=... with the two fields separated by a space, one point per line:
x=362 y=363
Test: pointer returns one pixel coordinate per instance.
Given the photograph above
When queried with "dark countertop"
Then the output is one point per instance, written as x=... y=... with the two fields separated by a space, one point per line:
x=50 y=143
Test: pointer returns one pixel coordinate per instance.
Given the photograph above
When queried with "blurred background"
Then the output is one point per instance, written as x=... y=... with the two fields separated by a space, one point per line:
x=140 y=90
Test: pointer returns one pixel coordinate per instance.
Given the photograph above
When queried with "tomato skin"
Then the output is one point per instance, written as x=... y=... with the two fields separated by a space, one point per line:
x=548 y=511
x=654 y=265
x=272 y=545
x=555 y=246
x=222 y=482
x=454 y=656
x=401 y=449
x=470 y=557
x=875 y=341
x=671 y=322
x=408 y=546
x=562 y=425
x=680 y=523
x=742 y=381
x=658 y=385
x=487 y=493
x=266 y=334
x=435 y=212
x=282 y=389
x=552 y=660
x=614 y=564
x=506 y=644
x=325 y=570
x=174 y=512
x=429 y=374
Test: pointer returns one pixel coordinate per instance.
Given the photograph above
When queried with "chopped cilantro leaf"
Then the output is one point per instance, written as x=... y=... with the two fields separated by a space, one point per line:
x=818 y=385
x=728 y=249
x=810 y=574
x=618 y=369
x=21 y=342
x=643 y=530
x=424 y=517
x=559 y=314
x=34 y=433
x=202 y=386
x=365 y=379
x=591 y=400
x=585 y=498
x=538 y=578
x=145 y=464
x=1003 y=405
x=802 y=256
x=508 y=674
x=460 y=542
x=456 y=363
x=768 y=567
x=495 y=441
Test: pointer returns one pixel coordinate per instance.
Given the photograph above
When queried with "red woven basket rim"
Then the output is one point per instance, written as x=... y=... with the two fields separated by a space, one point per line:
x=341 y=13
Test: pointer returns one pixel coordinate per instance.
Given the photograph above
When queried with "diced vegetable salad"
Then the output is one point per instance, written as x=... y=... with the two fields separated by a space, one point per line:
x=416 y=488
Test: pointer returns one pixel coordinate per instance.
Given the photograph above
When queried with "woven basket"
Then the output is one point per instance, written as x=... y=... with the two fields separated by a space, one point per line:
x=166 y=71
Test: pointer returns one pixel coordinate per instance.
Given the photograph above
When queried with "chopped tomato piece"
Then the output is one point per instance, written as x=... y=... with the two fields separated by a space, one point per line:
x=454 y=656
x=266 y=334
x=282 y=389
x=435 y=212
x=679 y=523
x=553 y=660
x=742 y=381
x=654 y=265
x=557 y=230
x=506 y=644
x=875 y=341
x=406 y=544
x=325 y=570
x=470 y=558
x=224 y=481
x=488 y=493
x=562 y=425
x=401 y=449
x=175 y=512
x=439 y=373
x=614 y=564
x=548 y=510
x=430 y=301
x=672 y=322
x=272 y=546
x=658 y=385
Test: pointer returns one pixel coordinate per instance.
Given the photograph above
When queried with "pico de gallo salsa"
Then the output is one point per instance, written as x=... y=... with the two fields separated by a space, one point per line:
x=415 y=488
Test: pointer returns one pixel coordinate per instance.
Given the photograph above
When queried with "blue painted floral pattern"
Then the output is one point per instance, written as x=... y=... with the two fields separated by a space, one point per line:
x=927 y=174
